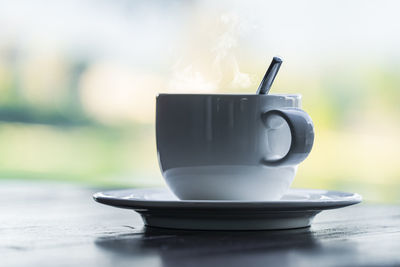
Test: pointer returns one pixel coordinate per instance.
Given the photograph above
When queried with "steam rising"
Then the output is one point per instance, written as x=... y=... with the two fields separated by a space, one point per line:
x=215 y=67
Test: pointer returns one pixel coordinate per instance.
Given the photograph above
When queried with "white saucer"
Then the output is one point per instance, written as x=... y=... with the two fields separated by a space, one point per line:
x=160 y=208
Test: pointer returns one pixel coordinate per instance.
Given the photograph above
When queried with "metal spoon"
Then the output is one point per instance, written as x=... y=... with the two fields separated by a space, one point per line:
x=269 y=76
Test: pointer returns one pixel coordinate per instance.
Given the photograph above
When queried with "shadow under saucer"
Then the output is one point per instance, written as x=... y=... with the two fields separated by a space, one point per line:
x=167 y=247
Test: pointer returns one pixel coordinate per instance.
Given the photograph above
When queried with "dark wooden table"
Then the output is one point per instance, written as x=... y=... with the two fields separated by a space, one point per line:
x=44 y=224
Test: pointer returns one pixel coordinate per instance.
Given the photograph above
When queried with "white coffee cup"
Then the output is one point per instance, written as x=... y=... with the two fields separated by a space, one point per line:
x=231 y=147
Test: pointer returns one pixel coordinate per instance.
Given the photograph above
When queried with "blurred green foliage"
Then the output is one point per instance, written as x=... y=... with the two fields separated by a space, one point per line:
x=355 y=147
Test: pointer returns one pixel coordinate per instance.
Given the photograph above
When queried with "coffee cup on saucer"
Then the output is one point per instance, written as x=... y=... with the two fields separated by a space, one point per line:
x=229 y=160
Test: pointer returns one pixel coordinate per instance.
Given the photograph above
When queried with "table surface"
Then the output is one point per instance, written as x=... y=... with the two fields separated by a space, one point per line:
x=46 y=224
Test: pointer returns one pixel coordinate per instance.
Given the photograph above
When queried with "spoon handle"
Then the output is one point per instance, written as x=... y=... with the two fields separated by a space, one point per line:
x=269 y=76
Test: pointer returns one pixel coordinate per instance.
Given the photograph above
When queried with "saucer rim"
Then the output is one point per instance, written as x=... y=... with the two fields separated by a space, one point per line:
x=106 y=198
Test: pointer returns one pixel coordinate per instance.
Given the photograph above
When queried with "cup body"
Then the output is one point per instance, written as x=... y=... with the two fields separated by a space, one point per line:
x=213 y=147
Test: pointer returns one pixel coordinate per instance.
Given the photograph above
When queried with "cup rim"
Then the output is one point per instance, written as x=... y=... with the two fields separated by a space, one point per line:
x=296 y=95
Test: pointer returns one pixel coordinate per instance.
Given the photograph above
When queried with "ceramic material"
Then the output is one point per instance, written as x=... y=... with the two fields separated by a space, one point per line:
x=231 y=147
x=160 y=208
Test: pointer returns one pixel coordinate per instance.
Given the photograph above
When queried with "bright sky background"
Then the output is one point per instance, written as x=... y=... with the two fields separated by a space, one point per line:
x=135 y=30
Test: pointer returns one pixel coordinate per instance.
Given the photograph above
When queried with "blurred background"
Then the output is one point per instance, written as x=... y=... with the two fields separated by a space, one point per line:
x=78 y=81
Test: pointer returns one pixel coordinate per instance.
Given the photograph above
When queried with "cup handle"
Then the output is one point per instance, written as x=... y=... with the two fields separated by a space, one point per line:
x=302 y=132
